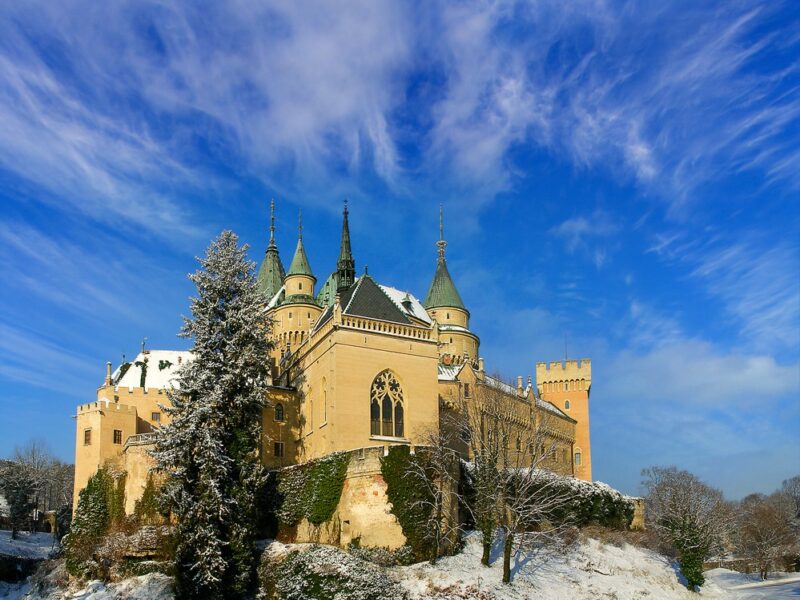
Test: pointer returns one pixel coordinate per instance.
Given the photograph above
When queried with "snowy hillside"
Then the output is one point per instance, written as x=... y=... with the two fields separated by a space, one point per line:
x=590 y=570
x=27 y=545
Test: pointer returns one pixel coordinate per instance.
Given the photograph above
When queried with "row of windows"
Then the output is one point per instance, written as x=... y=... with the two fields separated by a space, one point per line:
x=564 y=386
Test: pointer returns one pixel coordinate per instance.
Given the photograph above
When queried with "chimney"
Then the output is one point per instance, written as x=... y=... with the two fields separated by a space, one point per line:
x=530 y=382
x=180 y=359
x=108 y=373
x=519 y=384
x=480 y=365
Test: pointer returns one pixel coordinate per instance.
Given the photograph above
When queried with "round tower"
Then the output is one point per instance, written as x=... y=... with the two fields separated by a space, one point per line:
x=295 y=310
x=443 y=303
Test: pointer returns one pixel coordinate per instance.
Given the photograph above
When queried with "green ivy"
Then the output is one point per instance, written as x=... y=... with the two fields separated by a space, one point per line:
x=147 y=509
x=404 y=492
x=123 y=369
x=311 y=490
x=143 y=365
x=164 y=364
x=101 y=504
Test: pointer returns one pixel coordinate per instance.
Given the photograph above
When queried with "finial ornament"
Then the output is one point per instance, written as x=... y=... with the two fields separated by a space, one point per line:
x=144 y=340
x=300 y=224
x=272 y=222
x=441 y=243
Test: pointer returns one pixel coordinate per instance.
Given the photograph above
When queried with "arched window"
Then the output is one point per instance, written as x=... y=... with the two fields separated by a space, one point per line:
x=577 y=457
x=386 y=406
x=279 y=412
x=566 y=404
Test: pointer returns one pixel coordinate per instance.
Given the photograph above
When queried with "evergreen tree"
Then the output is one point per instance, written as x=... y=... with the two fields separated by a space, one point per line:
x=18 y=490
x=91 y=522
x=210 y=449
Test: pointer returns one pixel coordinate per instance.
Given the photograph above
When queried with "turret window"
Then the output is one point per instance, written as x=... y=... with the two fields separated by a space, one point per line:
x=387 y=411
x=566 y=404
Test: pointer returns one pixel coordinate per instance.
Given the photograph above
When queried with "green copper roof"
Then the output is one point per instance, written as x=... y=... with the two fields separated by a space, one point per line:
x=443 y=291
x=300 y=264
x=271 y=273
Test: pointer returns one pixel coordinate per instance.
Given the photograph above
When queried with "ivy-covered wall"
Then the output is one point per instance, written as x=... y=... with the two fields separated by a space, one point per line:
x=309 y=491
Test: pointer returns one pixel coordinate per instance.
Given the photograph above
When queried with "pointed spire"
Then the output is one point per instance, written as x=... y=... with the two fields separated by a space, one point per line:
x=443 y=292
x=300 y=265
x=346 y=265
x=272 y=224
x=271 y=273
x=441 y=243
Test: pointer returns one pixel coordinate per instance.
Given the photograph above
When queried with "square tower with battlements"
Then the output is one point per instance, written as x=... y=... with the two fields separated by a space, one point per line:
x=567 y=385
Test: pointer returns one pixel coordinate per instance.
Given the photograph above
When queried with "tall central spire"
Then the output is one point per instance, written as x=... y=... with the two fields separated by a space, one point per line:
x=346 y=265
x=441 y=243
x=271 y=274
x=300 y=264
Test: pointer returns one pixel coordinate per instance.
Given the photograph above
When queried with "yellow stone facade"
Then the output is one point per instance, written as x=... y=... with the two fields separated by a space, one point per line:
x=356 y=365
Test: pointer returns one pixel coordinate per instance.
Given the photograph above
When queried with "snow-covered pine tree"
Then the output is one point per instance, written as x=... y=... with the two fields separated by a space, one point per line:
x=210 y=449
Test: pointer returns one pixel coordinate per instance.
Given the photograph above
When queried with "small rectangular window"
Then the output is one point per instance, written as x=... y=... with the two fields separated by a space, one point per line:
x=87 y=437
x=117 y=436
x=466 y=390
x=279 y=449
x=155 y=417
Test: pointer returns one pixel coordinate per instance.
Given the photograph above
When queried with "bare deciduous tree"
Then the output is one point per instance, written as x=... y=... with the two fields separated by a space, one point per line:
x=689 y=515
x=765 y=529
x=511 y=442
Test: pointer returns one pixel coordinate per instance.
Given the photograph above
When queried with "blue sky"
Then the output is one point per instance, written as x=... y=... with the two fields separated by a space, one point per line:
x=624 y=176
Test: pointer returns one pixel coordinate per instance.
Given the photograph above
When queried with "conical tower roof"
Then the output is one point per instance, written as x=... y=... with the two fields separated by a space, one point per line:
x=300 y=264
x=443 y=292
x=271 y=273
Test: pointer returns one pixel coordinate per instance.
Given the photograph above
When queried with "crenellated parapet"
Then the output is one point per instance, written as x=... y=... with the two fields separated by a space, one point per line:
x=568 y=375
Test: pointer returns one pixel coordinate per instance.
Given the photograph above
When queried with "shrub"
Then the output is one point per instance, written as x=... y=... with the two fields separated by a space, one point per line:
x=322 y=573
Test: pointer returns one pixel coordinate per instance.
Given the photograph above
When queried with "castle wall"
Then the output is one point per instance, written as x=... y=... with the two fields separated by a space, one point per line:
x=571 y=382
x=364 y=512
x=334 y=376
x=137 y=464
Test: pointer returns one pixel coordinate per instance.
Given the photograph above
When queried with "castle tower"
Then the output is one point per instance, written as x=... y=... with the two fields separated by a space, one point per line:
x=271 y=273
x=567 y=385
x=346 y=265
x=443 y=303
x=297 y=310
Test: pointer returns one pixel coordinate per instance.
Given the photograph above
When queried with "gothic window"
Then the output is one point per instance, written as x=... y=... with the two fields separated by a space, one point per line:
x=566 y=404
x=577 y=458
x=279 y=412
x=387 y=411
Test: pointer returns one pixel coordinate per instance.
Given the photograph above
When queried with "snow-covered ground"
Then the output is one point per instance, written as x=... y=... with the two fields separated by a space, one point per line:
x=147 y=587
x=27 y=545
x=779 y=586
x=589 y=570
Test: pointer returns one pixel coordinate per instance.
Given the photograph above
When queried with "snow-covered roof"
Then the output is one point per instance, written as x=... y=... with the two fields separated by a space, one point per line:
x=162 y=366
x=276 y=297
x=449 y=372
x=500 y=385
x=550 y=407
x=453 y=328
x=397 y=296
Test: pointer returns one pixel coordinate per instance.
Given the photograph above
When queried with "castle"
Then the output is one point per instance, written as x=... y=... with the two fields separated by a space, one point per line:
x=356 y=365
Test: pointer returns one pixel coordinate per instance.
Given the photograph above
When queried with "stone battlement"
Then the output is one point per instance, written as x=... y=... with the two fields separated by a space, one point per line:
x=104 y=404
x=564 y=370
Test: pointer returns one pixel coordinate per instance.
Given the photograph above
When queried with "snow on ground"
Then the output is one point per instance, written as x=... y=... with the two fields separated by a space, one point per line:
x=146 y=587
x=588 y=570
x=27 y=545
x=739 y=586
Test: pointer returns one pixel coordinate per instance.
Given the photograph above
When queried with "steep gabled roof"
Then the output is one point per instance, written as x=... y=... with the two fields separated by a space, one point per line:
x=367 y=299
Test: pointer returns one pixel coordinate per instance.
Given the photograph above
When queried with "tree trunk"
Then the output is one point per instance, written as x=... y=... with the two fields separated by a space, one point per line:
x=487 y=551
x=507 y=545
